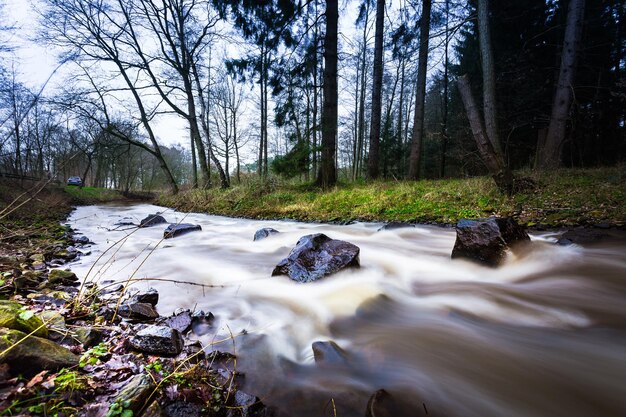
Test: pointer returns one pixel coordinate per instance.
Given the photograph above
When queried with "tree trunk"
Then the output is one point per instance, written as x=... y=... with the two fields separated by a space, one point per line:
x=550 y=155
x=373 y=161
x=494 y=162
x=444 y=118
x=420 y=93
x=327 y=176
x=489 y=78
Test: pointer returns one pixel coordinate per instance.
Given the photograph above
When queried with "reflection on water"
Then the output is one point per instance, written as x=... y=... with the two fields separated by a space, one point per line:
x=543 y=335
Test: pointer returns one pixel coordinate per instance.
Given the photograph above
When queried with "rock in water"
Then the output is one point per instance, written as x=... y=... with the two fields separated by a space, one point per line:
x=152 y=220
x=394 y=226
x=174 y=230
x=316 y=256
x=329 y=353
x=381 y=404
x=151 y=297
x=158 y=340
x=581 y=236
x=265 y=232
x=32 y=354
x=486 y=240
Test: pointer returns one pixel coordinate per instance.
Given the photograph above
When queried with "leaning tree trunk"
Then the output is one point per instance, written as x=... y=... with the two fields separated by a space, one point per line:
x=327 y=176
x=550 y=155
x=494 y=161
x=374 y=155
x=420 y=93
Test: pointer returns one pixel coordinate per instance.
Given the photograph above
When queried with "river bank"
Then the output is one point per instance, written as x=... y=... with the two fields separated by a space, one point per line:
x=69 y=347
x=564 y=198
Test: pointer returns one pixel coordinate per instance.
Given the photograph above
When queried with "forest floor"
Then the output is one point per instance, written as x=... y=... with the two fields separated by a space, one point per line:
x=71 y=348
x=564 y=198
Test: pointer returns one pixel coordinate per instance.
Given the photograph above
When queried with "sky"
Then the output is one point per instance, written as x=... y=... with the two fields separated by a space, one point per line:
x=36 y=62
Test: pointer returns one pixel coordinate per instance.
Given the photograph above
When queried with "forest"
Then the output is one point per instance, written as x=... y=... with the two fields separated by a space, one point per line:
x=322 y=92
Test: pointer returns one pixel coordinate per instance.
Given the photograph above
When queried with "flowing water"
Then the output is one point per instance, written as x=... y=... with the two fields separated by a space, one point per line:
x=543 y=335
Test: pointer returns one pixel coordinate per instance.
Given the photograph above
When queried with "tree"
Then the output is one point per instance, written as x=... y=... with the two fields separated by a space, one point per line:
x=420 y=93
x=550 y=153
x=373 y=161
x=327 y=176
x=89 y=33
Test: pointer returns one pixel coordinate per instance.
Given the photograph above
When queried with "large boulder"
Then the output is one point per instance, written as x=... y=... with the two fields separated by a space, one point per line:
x=265 y=232
x=158 y=340
x=174 y=230
x=31 y=354
x=14 y=316
x=316 y=256
x=152 y=220
x=486 y=240
x=581 y=236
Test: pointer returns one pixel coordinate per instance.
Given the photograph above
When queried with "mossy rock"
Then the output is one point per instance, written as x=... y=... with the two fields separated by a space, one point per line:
x=29 y=355
x=62 y=277
x=12 y=316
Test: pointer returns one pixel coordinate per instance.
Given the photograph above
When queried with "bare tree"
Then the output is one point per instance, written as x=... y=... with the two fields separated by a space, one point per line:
x=91 y=32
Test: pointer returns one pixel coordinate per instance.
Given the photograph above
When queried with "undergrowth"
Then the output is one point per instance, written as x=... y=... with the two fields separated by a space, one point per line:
x=558 y=198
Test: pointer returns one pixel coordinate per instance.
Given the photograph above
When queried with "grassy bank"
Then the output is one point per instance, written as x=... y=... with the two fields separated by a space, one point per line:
x=561 y=198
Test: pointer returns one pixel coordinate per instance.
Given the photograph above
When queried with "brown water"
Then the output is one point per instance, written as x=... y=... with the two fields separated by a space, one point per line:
x=543 y=335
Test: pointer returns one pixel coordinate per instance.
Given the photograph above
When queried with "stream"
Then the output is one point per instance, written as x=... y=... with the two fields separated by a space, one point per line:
x=542 y=335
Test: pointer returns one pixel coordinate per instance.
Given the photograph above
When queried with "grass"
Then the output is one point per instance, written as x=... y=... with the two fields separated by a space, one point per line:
x=92 y=195
x=560 y=198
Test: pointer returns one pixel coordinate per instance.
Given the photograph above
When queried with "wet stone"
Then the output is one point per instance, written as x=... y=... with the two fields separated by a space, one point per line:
x=151 y=296
x=59 y=276
x=201 y=322
x=486 y=240
x=180 y=321
x=316 y=256
x=152 y=220
x=174 y=230
x=158 y=340
x=265 y=232
x=138 y=311
x=395 y=225
x=329 y=353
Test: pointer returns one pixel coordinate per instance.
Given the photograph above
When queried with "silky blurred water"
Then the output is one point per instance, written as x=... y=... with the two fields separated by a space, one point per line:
x=543 y=335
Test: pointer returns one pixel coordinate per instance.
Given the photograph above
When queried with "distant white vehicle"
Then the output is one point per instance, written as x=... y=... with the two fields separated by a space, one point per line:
x=75 y=181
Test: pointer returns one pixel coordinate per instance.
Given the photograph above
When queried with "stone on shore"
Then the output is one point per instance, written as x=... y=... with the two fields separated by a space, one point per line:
x=33 y=354
x=316 y=256
x=60 y=276
x=158 y=340
x=13 y=316
x=138 y=311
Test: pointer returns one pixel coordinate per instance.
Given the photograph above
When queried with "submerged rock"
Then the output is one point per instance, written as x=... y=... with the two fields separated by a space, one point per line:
x=158 y=340
x=174 y=230
x=201 y=322
x=32 y=354
x=486 y=240
x=394 y=225
x=329 y=353
x=581 y=236
x=381 y=404
x=152 y=220
x=316 y=256
x=265 y=232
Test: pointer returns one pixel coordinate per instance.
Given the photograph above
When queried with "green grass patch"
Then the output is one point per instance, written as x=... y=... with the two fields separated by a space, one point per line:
x=559 y=198
x=90 y=195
